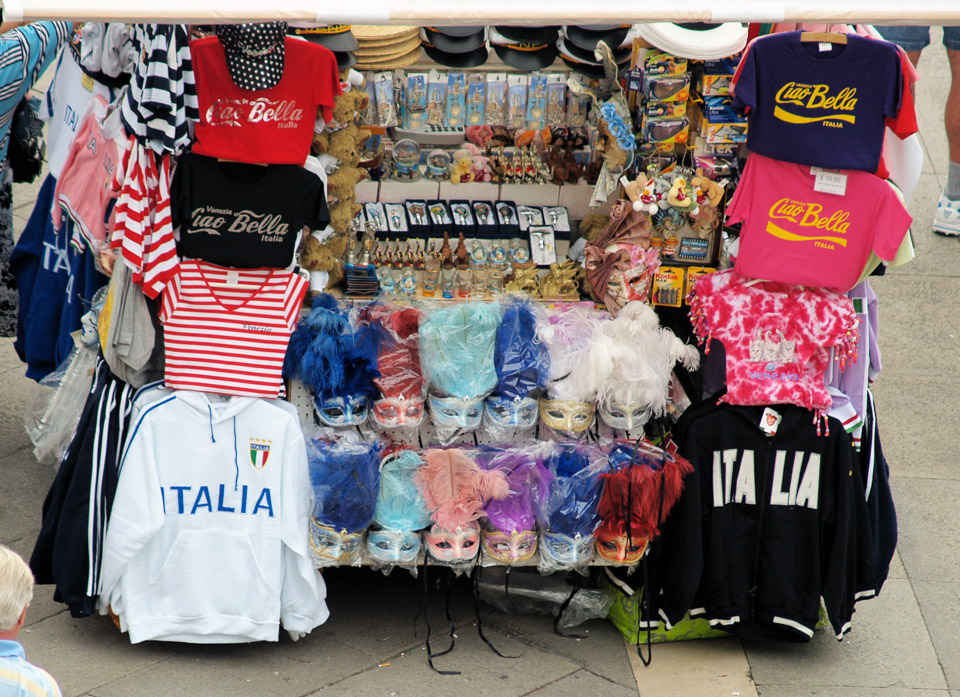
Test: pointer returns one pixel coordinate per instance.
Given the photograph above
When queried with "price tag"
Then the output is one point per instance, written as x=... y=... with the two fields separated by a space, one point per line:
x=830 y=182
x=770 y=422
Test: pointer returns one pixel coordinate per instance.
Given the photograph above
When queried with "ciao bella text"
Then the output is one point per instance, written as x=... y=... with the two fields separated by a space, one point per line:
x=215 y=221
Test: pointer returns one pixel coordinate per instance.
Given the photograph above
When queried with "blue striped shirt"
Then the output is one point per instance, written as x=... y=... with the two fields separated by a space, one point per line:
x=25 y=52
x=19 y=677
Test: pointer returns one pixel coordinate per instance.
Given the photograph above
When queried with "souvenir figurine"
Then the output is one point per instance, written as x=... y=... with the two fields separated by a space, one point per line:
x=446 y=252
x=523 y=281
x=632 y=360
x=345 y=478
x=522 y=366
x=509 y=532
x=455 y=490
x=400 y=385
x=639 y=490
x=569 y=514
x=462 y=261
x=335 y=361
x=456 y=349
x=401 y=512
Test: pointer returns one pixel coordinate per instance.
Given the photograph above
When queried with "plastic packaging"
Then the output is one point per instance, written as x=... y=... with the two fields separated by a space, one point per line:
x=345 y=480
x=528 y=592
x=569 y=514
x=52 y=415
x=510 y=524
x=400 y=403
x=401 y=513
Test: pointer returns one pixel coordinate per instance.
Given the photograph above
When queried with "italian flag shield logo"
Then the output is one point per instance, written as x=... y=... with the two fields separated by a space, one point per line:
x=259 y=453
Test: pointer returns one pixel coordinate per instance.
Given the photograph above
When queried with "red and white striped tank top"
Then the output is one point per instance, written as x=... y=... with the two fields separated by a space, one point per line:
x=227 y=330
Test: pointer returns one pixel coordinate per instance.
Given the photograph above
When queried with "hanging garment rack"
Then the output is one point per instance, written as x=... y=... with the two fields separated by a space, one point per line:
x=469 y=12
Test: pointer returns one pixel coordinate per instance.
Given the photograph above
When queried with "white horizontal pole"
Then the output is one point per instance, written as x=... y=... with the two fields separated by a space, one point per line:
x=428 y=12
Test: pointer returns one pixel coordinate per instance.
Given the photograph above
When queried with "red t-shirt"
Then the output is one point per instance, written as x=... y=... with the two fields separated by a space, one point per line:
x=792 y=233
x=273 y=126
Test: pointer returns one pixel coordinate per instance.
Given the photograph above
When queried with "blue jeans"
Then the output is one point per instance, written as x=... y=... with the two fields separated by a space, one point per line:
x=911 y=38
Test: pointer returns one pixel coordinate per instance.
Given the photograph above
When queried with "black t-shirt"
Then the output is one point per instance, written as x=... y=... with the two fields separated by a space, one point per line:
x=242 y=215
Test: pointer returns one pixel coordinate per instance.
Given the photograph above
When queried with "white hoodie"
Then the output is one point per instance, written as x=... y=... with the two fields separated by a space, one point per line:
x=207 y=540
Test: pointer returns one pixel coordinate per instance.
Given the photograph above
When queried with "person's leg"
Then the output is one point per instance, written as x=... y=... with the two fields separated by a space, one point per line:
x=947 y=219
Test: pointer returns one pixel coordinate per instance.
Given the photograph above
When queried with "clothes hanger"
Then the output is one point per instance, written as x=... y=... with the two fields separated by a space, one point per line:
x=827 y=37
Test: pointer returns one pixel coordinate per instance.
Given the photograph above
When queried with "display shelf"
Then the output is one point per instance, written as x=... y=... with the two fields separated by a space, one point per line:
x=475 y=12
x=485 y=561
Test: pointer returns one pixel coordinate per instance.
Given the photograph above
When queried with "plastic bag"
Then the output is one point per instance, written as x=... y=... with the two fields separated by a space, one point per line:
x=401 y=513
x=345 y=479
x=528 y=592
x=569 y=513
x=400 y=404
x=52 y=415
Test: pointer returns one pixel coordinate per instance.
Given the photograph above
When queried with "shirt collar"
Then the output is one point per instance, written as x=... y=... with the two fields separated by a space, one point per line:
x=10 y=648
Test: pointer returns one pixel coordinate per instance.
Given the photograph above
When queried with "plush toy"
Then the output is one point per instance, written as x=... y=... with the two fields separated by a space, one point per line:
x=326 y=255
x=462 y=162
x=681 y=197
x=479 y=135
x=480 y=169
x=592 y=225
x=706 y=191
x=574 y=170
x=642 y=191
x=557 y=164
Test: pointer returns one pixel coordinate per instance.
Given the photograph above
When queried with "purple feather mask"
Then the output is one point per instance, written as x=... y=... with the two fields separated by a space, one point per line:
x=510 y=531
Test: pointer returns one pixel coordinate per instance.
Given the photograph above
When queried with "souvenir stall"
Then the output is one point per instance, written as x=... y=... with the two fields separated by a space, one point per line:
x=592 y=299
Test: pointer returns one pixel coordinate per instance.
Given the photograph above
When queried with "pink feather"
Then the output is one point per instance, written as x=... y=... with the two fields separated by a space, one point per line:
x=455 y=488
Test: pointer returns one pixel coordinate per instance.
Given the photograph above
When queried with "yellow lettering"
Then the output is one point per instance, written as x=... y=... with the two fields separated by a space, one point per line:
x=818 y=97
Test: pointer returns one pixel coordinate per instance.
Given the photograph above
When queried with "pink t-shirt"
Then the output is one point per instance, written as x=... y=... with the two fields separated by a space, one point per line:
x=776 y=337
x=792 y=233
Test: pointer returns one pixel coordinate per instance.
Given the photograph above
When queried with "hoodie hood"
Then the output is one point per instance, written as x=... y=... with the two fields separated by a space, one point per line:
x=214 y=410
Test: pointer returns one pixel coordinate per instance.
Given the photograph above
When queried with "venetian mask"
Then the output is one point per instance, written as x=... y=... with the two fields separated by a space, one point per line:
x=511 y=411
x=563 y=415
x=338 y=411
x=457 y=547
x=393 y=546
x=454 y=412
x=510 y=547
x=624 y=416
x=618 y=549
x=564 y=550
x=398 y=412
x=341 y=546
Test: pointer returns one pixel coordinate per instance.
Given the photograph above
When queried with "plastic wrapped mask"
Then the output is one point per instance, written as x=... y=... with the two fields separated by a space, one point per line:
x=563 y=550
x=618 y=549
x=512 y=547
x=519 y=412
x=454 y=412
x=625 y=416
x=340 y=546
x=456 y=547
x=337 y=411
x=398 y=412
x=562 y=415
x=393 y=546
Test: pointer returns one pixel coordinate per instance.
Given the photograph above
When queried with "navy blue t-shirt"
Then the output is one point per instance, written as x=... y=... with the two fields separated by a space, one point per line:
x=819 y=104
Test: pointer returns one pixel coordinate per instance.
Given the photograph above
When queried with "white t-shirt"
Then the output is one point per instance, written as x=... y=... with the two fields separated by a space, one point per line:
x=64 y=104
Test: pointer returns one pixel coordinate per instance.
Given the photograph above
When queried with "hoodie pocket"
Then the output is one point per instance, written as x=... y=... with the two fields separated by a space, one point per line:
x=213 y=572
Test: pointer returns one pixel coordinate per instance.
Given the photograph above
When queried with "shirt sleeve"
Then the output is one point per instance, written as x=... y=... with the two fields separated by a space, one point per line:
x=170 y=299
x=893 y=221
x=327 y=80
x=892 y=84
x=296 y=290
x=904 y=124
x=43 y=40
x=744 y=84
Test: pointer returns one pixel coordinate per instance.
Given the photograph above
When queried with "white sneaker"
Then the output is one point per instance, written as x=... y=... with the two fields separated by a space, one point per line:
x=947 y=220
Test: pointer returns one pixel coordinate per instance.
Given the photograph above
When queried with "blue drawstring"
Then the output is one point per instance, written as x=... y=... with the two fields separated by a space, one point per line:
x=236 y=456
x=210 y=409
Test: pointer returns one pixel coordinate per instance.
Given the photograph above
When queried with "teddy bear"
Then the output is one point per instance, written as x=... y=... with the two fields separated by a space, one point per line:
x=326 y=255
x=460 y=170
x=480 y=169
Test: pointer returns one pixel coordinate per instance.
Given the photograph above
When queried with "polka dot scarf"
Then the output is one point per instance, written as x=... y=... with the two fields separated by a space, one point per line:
x=254 y=53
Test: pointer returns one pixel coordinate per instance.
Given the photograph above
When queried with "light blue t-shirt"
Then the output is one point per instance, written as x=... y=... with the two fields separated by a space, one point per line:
x=20 y=678
x=25 y=52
